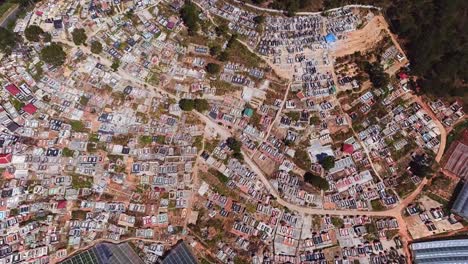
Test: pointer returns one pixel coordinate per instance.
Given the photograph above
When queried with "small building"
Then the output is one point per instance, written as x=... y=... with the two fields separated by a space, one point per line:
x=248 y=112
x=330 y=38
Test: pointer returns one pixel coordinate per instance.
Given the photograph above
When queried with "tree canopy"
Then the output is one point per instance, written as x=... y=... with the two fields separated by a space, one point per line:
x=436 y=35
x=316 y=181
x=200 y=105
x=377 y=75
x=96 y=47
x=234 y=144
x=328 y=162
x=115 y=65
x=215 y=50
x=79 y=36
x=33 y=33
x=189 y=14
x=7 y=40
x=53 y=54
x=259 y=19
x=213 y=68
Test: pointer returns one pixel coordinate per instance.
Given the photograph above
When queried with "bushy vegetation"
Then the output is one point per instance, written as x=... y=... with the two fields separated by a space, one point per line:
x=145 y=140
x=33 y=33
x=78 y=126
x=289 y=6
x=316 y=181
x=7 y=40
x=435 y=40
x=328 y=162
x=301 y=159
x=53 y=54
x=66 y=152
x=213 y=68
x=96 y=47
x=79 y=36
x=189 y=14
x=436 y=34
x=200 y=105
x=377 y=75
x=115 y=65
x=235 y=145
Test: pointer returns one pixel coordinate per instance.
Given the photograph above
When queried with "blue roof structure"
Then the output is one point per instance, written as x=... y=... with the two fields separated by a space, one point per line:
x=330 y=38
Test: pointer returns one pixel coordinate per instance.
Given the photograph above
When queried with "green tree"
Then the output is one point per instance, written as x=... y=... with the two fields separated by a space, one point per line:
x=234 y=144
x=213 y=68
x=259 y=19
x=231 y=41
x=78 y=126
x=129 y=13
x=223 y=56
x=222 y=29
x=115 y=65
x=7 y=40
x=47 y=37
x=145 y=140
x=377 y=75
x=189 y=14
x=66 y=152
x=79 y=36
x=201 y=105
x=33 y=33
x=186 y=104
x=328 y=162
x=215 y=50
x=96 y=47
x=53 y=54
x=316 y=181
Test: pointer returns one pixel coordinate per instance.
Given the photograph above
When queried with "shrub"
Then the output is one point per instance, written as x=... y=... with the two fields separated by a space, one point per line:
x=213 y=68
x=79 y=36
x=96 y=47
x=33 y=33
x=316 y=181
x=53 y=54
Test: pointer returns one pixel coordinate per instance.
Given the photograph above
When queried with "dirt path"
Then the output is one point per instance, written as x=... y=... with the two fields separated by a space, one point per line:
x=443 y=131
x=278 y=114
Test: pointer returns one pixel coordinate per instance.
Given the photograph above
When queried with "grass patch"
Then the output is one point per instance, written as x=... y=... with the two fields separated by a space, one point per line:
x=223 y=87
x=301 y=159
x=238 y=53
x=78 y=126
x=456 y=133
x=84 y=100
x=405 y=188
x=5 y=7
x=389 y=234
x=17 y=104
x=210 y=145
x=81 y=181
x=198 y=142
x=78 y=214
x=145 y=140
x=221 y=177
x=66 y=152
x=337 y=221
x=377 y=205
